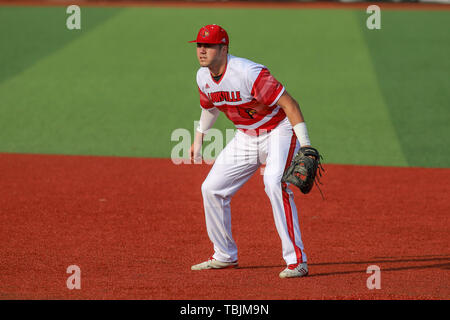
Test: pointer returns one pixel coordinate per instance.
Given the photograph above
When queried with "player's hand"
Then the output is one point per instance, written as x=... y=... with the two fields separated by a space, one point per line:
x=196 y=148
x=195 y=154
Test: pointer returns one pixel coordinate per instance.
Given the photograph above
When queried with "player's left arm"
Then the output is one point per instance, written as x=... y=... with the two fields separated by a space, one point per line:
x=292 y=109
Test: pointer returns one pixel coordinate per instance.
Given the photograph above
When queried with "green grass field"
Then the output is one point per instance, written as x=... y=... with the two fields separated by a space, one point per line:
x=126 y=80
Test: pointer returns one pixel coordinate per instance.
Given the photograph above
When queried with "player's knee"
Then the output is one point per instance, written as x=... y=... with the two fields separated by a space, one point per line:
x=205 y=187
x=208 y=188
x=211 y=188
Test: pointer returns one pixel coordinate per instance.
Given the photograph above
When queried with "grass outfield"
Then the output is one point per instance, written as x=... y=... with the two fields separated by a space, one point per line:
x=123 y=83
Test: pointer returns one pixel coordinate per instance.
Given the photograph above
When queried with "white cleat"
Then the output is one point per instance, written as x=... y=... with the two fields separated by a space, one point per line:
x=214 y=264
x=293 y=271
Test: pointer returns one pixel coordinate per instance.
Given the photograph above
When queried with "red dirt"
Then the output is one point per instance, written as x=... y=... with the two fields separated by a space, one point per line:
x=135 y=226
x=230 y=4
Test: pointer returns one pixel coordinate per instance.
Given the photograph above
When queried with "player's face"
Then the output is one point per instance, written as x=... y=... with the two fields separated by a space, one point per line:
x=209 y=54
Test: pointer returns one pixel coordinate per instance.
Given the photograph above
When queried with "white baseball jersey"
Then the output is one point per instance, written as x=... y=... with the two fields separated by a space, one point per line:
x=247 y=93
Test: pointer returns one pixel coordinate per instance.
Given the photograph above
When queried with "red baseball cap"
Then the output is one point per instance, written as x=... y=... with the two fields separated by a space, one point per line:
x=212 y=33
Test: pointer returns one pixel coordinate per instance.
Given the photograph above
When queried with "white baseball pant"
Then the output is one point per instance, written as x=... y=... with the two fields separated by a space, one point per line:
x=234 y=166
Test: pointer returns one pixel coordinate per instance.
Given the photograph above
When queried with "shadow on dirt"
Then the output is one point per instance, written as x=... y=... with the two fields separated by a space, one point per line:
x=444 y=265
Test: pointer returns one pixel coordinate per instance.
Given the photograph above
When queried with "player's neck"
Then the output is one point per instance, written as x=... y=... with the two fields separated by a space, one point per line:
x=218 y=68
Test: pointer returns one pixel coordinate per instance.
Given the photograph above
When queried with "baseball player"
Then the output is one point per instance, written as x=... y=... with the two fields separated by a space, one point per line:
x=271 y=129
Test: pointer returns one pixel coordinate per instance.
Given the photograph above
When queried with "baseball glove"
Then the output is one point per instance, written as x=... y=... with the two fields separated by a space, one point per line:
x=303 y=170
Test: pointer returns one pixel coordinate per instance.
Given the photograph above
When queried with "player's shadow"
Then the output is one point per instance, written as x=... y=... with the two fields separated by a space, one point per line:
x=436 y=261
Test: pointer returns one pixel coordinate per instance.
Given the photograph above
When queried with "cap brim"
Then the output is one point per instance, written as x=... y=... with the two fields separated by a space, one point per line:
x=208 y=42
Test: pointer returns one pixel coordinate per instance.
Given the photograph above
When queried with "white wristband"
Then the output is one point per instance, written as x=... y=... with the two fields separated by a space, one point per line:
x=302 y=134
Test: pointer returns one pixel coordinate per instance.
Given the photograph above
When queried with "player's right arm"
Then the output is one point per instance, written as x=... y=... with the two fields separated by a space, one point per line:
x=207 y=119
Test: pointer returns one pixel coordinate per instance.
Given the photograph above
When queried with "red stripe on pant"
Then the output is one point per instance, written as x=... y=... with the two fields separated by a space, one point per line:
x=287 y=204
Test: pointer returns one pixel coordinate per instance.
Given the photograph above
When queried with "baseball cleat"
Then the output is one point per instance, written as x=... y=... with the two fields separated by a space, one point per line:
x=214 y=264
x=294 y=271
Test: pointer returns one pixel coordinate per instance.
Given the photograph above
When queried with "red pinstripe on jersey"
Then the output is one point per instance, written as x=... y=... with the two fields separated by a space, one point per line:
x=266 y=88
x=204 y=100
x=241 y=114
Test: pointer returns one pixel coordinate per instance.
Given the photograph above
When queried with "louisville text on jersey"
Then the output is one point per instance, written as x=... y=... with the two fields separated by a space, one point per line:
x=229 y=96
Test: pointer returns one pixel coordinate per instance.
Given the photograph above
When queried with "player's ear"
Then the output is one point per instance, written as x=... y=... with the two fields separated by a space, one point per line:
x=224 y=46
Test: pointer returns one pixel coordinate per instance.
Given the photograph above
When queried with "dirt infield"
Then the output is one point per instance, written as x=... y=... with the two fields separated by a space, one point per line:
x=135 y=226
x=230 y=4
